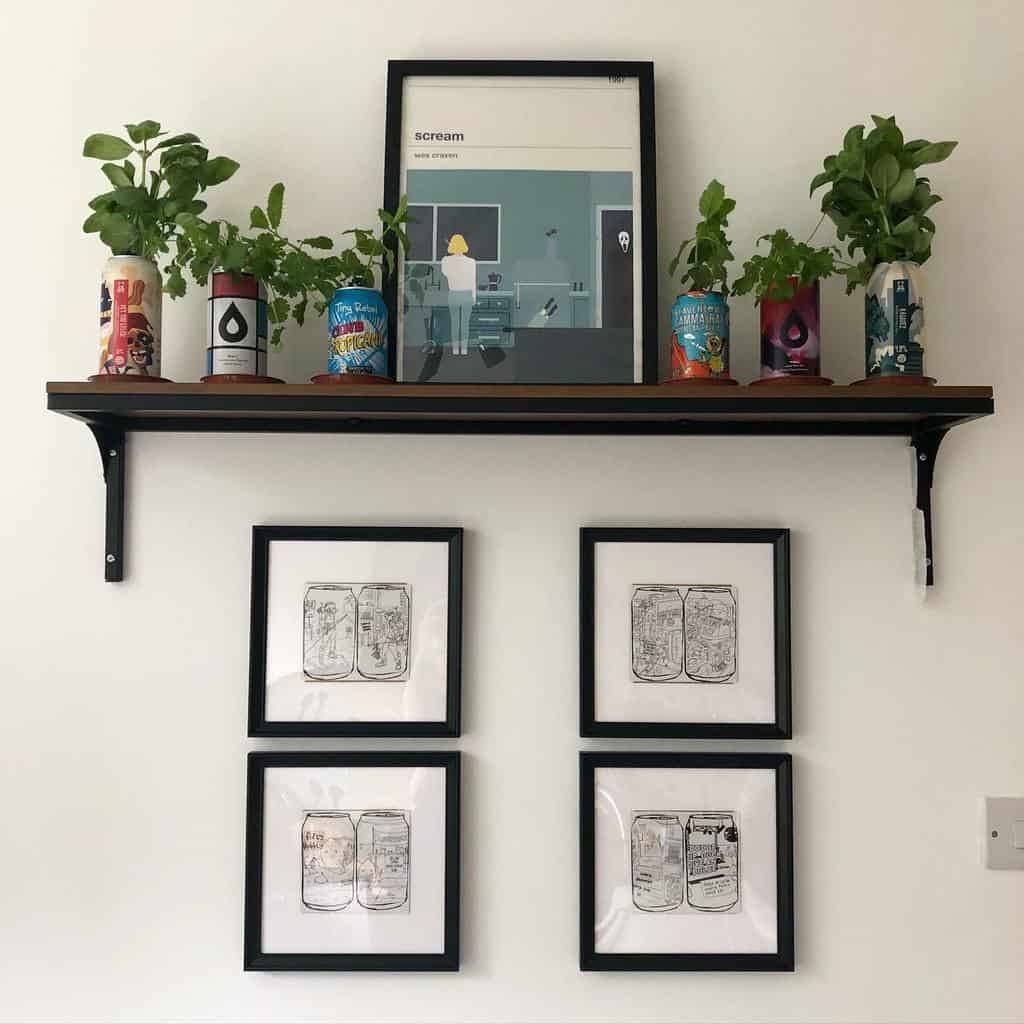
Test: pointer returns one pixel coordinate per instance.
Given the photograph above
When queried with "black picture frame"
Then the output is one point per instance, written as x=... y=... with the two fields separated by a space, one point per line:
x=781 y=728
x=783 y=959
x=643 y=71
x=254 y=959
x=262 y=538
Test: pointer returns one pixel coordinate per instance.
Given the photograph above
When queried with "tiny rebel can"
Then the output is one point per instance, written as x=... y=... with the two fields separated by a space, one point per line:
x=236 y=325
x=657 y=633
x=383 y=849
x=791 y=333
x=328 y=860
x=712 y=862
x=130 y=306
x=329 y=615
x=656 y=852
x=357 y=332
x=710 y=641
x=700 y=336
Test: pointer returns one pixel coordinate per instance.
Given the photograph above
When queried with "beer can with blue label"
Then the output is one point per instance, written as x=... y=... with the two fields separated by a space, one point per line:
x=357 y=333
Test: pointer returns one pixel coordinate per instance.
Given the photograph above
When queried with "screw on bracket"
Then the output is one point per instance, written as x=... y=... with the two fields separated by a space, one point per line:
x=111 y=558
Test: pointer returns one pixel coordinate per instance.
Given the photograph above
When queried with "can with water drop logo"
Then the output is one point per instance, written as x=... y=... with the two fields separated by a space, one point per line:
x=236 y=325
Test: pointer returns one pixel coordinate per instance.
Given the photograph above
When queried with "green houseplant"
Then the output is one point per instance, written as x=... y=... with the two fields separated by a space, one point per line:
x=785 y=283
x=700 y=315
x=298 y=274
x=880 y=205
x=154 y=177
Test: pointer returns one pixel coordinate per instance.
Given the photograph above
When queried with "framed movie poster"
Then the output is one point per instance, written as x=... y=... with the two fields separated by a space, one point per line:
x=686 y=862
x=684 y=633
x=533 y=249
x=356 y=631
x=352 y=862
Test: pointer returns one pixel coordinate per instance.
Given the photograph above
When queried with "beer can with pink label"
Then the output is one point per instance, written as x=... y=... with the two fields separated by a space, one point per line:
x=130 y=306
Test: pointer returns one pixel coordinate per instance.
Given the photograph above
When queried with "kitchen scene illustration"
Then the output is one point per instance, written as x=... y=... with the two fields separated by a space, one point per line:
x=519 y=276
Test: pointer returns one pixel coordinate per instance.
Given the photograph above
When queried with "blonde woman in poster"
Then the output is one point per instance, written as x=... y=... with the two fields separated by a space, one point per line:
x=459 y=269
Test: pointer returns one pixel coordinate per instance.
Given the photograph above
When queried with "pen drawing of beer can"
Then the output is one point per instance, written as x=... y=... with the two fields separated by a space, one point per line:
x=656 y=855
x=328 y=860
x=710 y=617
x=383 y=631
x=382 y=840
x=712 y=862
x=657 y=633
x=328 y=631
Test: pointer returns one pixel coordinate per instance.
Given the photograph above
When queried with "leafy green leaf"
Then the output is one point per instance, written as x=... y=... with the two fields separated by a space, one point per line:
x=217 y=170
x=258 y=219
x=711 y=198
x=95 y=221
x=275 y=204
x=903 y=189
x=119 y=234
x=106 y=147
x=143 y=131
x=116 y=175
x=177 y=140
x=933 y=153
x=884 y=172
x=818 y=180
x=906 y=226
x=318 y=242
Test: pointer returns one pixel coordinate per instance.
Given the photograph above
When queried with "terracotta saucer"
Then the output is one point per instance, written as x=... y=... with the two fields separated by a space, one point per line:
x=239 y=378
x=126 y=379
x=702 y=381
x=894 y=381
x=349 y=379
x=793 y=379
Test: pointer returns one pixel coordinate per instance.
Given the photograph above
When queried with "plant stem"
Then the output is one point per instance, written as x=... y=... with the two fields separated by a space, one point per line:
x=821 y=220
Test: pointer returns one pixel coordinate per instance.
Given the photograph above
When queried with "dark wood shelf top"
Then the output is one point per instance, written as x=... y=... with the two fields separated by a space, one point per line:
x=464 y=408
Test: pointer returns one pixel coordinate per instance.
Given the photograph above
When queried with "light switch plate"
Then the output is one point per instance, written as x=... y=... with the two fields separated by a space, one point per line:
x=1004 y=833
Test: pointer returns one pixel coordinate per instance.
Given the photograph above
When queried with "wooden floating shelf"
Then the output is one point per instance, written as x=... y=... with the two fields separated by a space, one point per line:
x=111 y=409
x=463 y=408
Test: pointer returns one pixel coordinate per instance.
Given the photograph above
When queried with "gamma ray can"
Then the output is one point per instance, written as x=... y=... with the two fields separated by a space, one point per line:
x=357 y=332
x=236 y=325
x=130 y=304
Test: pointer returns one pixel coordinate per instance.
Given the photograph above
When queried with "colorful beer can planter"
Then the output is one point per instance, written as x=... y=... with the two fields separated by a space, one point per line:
x=791 y=334
x=700 y=337
x=236 y=325
x=357 y=326
x=130 y=307
x=894 y=323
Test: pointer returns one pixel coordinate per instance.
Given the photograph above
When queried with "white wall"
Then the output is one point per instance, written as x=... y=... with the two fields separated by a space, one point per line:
x=123 y=724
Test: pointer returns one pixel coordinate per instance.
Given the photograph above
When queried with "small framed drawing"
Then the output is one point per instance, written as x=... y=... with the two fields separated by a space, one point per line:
x=532 y=221
x=686 y=862
x=356 y=631
x=684 y=633
x=352 y=862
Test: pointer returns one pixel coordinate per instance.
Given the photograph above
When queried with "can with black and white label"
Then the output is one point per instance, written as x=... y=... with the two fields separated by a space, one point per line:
x=236 y=325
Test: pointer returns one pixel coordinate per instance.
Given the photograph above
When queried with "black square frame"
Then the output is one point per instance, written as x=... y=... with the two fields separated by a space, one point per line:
x=643 y=71
x=781 y=728
x=782 y=959
x=262 y=538
x=254 y=958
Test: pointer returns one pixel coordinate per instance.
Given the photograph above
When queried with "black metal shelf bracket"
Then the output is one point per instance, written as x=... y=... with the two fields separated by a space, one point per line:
x=925 y=442
x=111 y=445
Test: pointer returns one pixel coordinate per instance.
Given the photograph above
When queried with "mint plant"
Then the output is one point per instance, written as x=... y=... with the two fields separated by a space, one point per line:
x=771 y=276
x=152 y=185
x=704 y=257
x=877 y=200
x=296 y=274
